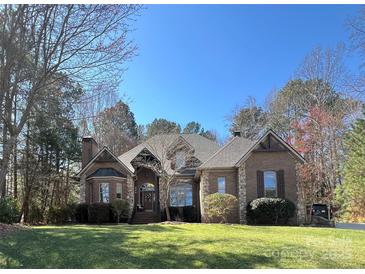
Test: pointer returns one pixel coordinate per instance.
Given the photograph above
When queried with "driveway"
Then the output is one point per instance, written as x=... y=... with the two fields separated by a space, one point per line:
x=350 y=226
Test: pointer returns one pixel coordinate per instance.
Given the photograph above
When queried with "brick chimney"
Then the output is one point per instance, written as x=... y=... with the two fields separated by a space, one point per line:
x=89 y=149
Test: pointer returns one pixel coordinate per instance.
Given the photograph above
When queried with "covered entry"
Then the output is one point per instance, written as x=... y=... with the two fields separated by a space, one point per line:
x=147 y=197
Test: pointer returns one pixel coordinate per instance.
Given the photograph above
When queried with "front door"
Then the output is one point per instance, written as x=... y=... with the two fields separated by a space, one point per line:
x=148 y=200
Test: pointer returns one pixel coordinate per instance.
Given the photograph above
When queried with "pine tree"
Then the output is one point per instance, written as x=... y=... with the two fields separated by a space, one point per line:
x=351 y=194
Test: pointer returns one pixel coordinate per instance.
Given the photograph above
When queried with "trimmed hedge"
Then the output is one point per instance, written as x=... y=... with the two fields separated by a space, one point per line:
x=270 y=211
x=182 y=214
x=9 y=210
x=81 y=213
x=99 y=213
x=219 y=207
x=59 y=215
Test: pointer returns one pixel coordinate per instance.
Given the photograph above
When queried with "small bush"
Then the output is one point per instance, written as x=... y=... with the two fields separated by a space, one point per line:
x=99 y=213
x=81 y=213
x=120 y=209
x=9 y=210
x=270 y=211
x=220 y=206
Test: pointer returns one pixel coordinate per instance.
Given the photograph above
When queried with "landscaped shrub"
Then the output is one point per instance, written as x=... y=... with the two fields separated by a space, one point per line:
x=9 y=210
x=59 y=215
x=219 y=207
x=120 y=209
x=270 y=211
x=81 y=213
x=183 y=214
x=99 y=213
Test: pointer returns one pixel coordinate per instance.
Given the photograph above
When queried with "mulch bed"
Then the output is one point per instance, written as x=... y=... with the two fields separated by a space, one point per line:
x=6 y=229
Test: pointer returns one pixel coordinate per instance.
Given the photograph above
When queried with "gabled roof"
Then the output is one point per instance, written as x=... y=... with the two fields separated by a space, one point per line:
x=278 y=138
x=238 y=149
x=229 y=154
x=159 y=145
x=103 y=172
x=104 y=149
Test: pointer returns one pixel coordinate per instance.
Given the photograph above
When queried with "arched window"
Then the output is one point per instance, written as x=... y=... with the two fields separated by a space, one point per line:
x=148 y=187
x=181 y=194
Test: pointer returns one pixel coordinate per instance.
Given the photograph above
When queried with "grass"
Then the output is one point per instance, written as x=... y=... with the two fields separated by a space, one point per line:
x=182 y=246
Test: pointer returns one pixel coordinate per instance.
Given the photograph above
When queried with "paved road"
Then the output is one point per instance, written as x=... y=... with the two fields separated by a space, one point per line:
x=351 y=226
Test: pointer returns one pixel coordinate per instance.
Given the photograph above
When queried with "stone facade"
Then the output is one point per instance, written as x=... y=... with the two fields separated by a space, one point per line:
x=301 y=205
x=130 y=194
x=242 y=202
x=204 y=191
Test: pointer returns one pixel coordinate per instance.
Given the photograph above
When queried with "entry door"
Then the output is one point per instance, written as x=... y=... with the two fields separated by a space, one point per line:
x=148 y=200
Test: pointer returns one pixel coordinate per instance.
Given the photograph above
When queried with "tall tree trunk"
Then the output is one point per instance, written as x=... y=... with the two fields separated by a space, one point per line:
x=15 y=158
x=25 y=207
x=67 y=190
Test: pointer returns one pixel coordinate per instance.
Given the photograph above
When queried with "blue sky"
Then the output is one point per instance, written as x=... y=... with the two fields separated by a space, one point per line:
x=197 y=62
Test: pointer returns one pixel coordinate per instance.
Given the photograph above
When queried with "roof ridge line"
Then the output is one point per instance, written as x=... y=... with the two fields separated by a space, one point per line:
x=219 y=150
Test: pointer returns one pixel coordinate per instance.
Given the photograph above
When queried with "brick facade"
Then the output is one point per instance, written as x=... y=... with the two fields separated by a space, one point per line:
x=275 y=161
x=211 y=186
x=240 y=181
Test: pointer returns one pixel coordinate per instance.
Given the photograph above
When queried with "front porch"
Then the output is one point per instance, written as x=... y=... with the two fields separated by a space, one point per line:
x=146 y=208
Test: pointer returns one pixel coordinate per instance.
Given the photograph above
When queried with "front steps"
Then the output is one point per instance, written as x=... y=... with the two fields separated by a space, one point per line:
x=145 y=217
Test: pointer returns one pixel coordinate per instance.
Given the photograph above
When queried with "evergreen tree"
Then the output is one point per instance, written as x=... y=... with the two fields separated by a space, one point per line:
x=351 y=194
x=162 y=126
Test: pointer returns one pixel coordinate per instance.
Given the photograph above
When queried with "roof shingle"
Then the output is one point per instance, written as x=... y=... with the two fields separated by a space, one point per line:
x=158 y=144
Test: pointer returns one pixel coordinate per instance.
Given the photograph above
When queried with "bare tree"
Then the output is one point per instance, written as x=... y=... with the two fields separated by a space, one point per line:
x=160 y=158
x=42 y=44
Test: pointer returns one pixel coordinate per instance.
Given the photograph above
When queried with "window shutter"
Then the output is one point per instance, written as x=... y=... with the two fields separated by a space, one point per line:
x=281 y=183
x=260 y=184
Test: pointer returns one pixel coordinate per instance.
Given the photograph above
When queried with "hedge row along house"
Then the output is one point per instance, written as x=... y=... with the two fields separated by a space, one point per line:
x=179 y=170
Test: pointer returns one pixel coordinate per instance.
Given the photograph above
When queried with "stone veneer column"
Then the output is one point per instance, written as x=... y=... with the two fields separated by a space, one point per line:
x=162 y=193
x=204 y=191
x=83 y=189
x=242 y=199
x=301 y=210
x=130 y=194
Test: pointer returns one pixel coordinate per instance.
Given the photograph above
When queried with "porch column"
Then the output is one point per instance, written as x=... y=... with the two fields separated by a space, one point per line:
x=242 y=199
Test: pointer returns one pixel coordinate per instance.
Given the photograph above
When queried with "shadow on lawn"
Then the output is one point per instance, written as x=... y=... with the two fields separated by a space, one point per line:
x=120 y=247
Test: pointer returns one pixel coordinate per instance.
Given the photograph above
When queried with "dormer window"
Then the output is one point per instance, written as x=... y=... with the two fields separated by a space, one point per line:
x=179 y=160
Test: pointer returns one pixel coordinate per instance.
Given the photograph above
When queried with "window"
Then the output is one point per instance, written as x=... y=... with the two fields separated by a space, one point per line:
x=270 y=184
x=181 y=195
x=104 y=193
x=119 y=191
x=180 y=160
x=221 y=184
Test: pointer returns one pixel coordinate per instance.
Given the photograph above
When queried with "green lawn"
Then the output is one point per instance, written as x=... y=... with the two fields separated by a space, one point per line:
x=182 y=246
